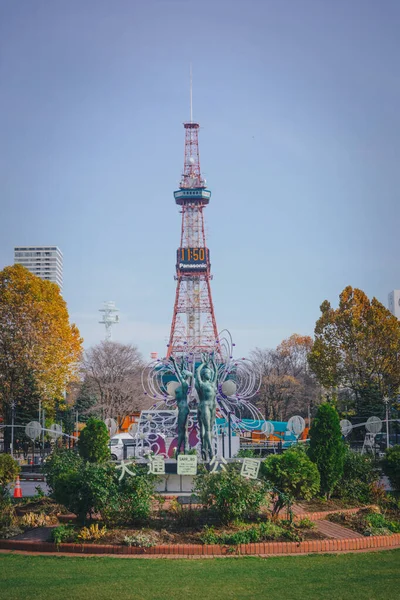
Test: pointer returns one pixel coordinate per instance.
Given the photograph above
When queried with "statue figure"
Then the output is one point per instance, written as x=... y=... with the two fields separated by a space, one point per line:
x=206 y=386
x=181 y=394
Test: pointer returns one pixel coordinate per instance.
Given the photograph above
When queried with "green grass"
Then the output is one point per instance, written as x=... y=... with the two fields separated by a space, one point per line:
x=356 y=576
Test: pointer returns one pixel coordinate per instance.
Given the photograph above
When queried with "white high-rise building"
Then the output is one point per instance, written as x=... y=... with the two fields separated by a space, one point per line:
x=394 y=303
x=44 y=261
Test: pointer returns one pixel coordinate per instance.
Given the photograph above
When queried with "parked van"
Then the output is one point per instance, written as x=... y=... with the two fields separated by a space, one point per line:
x=122 y=446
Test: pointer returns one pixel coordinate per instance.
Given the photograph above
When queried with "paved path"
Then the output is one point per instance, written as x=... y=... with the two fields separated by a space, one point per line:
x=333 y=530
x=39 y=534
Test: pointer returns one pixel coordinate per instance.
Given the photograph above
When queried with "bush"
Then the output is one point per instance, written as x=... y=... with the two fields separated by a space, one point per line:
x=184 y=516
x=368 y=522
x=229 y=494
x=93 y=442
x=306 y=523
x=359 y=478
x=87 y=490
x=9 y=531
x=92 y=533
x=31 y=520
x=7 y=514
x=131 y=501
x=9 y=469
x=260 y=532
x=326 y=447
x=63 y=534
x=140 y=540
x=247 y=453
x=60 y=462
x=391 y=466
x=293 y=474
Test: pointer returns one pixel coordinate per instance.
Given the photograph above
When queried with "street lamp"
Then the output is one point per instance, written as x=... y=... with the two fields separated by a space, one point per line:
x=386 y=401
x=13 y=405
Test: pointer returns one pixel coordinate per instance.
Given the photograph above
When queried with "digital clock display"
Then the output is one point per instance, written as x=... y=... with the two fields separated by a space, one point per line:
x=192 y=259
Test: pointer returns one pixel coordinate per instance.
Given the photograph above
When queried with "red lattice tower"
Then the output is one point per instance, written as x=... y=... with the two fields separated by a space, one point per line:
x=193 y=321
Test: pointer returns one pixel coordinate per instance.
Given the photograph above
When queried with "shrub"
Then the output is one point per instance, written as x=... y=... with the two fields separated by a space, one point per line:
x=261 y=532
x=61 y=462
x=7 y=513
x=92 y=533
x=132 y=499
x=327 y=447
x=93 y=442
x=9 y=531
x=86 y=491
x=293 y=474
x=368 y=522
x=185 y=516
x=31 y=520
x=306 y=523
x=209 y=535
x=9 y=469
x=359 y=478
x=63 y=534
x=246 y=453
x=391 y=466
x=140 y=540
x=229 y=494
x=86 y=488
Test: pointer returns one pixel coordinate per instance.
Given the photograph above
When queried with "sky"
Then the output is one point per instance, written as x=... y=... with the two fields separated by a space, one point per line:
x=298 y=103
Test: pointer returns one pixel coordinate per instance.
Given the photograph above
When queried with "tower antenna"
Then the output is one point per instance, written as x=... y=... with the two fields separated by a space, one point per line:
x=193 y=320
x=191 y=94
x=109 y=317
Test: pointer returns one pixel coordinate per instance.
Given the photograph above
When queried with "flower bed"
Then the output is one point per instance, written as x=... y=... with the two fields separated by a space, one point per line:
x=368 y=521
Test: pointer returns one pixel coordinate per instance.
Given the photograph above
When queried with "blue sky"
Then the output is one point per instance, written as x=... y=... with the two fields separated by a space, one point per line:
x=298 y=102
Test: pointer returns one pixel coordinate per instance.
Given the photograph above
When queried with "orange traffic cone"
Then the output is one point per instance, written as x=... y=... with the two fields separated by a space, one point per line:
x=17 y=488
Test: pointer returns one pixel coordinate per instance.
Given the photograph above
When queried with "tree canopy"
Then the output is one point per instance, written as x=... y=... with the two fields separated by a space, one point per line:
x=111 y=374
x=327 y=449
x=287 y=387
x=357 y=346
x=37 y=341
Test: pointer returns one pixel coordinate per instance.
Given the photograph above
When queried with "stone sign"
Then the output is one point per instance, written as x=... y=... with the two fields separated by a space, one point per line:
x=187 y=464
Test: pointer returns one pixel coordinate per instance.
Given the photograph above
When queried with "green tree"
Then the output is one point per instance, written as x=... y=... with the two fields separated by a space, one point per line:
x=93 y=442
x=357 y=346
x=293 y=474
x=327 y=449
x=391 y=466
x=85 y=401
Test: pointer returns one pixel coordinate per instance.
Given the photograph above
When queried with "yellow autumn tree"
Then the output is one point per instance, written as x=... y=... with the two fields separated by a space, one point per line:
x=357 y=348
x=36 y=338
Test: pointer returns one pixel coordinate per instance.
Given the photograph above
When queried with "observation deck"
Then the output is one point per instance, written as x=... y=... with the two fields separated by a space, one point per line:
x=192 y=196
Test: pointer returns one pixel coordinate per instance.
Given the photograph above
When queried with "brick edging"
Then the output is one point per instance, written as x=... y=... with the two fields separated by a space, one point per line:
x=313 y=516
x=317 y=516
x=306 y=547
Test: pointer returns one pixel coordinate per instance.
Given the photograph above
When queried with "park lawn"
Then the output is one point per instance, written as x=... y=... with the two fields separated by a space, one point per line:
x=356 y=576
